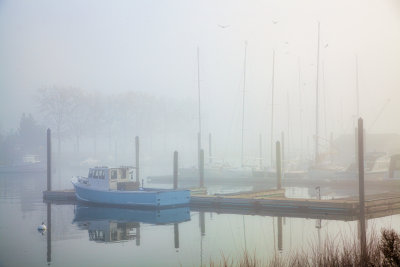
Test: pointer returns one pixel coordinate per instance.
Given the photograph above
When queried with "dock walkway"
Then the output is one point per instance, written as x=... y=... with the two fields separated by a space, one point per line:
x=273 y=200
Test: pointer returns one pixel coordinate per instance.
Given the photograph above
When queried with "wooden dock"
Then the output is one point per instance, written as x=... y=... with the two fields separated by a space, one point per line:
x=273 y=201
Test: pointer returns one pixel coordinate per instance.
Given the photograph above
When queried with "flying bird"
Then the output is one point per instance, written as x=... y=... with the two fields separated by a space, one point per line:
x=223 y=26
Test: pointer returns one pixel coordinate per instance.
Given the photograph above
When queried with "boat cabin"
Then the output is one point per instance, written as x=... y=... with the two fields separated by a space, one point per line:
x=106 y=178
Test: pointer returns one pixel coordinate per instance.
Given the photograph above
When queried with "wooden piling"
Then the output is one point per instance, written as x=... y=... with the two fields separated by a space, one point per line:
x=283 y=154
x=198 y=149
x=137 y=158
x=48 y=160
x=175 y=174
x=260 y=151
x=363 y=241
x=201 y=169
x=209 y=149
x=278 y=166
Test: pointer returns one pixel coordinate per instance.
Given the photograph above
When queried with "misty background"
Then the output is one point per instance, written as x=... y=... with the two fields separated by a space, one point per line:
x=130 y=68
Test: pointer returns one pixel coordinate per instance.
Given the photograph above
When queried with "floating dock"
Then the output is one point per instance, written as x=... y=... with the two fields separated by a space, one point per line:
x=274 y=201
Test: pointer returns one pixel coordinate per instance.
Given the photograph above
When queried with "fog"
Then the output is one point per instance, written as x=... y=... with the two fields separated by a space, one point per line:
x=147 y=50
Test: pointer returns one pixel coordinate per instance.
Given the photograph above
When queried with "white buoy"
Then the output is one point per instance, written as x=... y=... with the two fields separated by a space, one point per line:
x=42 y=227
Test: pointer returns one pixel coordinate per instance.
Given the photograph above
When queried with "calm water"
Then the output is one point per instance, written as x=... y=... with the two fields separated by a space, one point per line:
x=98 y=236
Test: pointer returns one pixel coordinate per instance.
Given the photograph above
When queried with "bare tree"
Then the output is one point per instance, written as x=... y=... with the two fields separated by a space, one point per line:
x=57 y=104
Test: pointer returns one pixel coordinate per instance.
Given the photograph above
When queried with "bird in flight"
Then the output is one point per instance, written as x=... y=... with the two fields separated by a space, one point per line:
x=223 y=26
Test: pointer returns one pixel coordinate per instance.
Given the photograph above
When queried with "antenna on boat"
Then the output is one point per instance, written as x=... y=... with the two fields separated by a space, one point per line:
x=244 y=89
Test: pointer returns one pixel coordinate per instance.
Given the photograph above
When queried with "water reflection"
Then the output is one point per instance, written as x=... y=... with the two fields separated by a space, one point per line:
x=107 y=224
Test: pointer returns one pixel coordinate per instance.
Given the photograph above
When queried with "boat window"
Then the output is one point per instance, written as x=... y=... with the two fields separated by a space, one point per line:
x=103 y=174
x=90 y=173
x=114 y=174
x=96 y=173
x=123 y=174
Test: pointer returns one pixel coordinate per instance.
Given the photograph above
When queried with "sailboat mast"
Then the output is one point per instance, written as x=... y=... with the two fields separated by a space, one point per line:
x=357 y=90
x=199 y=98
x=244 y=89
x=301 y=111
x=316 y=106
x=272 y=106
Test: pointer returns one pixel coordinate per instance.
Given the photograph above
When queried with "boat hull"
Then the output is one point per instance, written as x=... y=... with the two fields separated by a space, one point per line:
x=140 y=198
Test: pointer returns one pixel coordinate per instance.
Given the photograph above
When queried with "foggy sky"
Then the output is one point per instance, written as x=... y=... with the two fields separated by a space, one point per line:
x=150 y=46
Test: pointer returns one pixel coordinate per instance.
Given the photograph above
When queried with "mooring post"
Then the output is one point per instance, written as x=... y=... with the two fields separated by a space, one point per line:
x=175 y=174
x=209 y=149
x=260 y=150
x=137 y=158
x=176 y=235
x=363 y=239
x=356 y=150
x=278 y=166
x=201 y=171
x=198 y=149
x=48 y=160
x=283 y=154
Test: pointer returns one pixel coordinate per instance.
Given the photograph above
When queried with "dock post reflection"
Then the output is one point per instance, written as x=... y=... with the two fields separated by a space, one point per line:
x=202 y=223
x=138 y=235
x=280 y=239
x=48 y=233
x=176 y=235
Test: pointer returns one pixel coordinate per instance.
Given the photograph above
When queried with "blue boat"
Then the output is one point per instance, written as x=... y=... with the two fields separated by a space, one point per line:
x=116 y=186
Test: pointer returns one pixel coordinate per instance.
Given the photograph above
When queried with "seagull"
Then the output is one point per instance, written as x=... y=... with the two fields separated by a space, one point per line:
x=42 y=228
x=223 y=26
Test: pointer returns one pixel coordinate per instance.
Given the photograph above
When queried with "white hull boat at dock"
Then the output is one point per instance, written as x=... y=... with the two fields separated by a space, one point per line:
x=115 y=186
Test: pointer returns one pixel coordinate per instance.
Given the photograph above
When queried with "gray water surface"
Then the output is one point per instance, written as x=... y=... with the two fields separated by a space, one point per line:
x=103 y=236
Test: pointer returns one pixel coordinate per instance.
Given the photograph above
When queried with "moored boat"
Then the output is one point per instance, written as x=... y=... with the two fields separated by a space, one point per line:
x=116 y=186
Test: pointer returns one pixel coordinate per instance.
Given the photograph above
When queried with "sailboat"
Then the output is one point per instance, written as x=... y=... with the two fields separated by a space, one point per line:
x=219 y=172
x=320 y=169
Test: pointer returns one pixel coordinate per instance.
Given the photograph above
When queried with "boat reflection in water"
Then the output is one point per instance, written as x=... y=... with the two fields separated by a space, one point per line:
x=107 y=224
